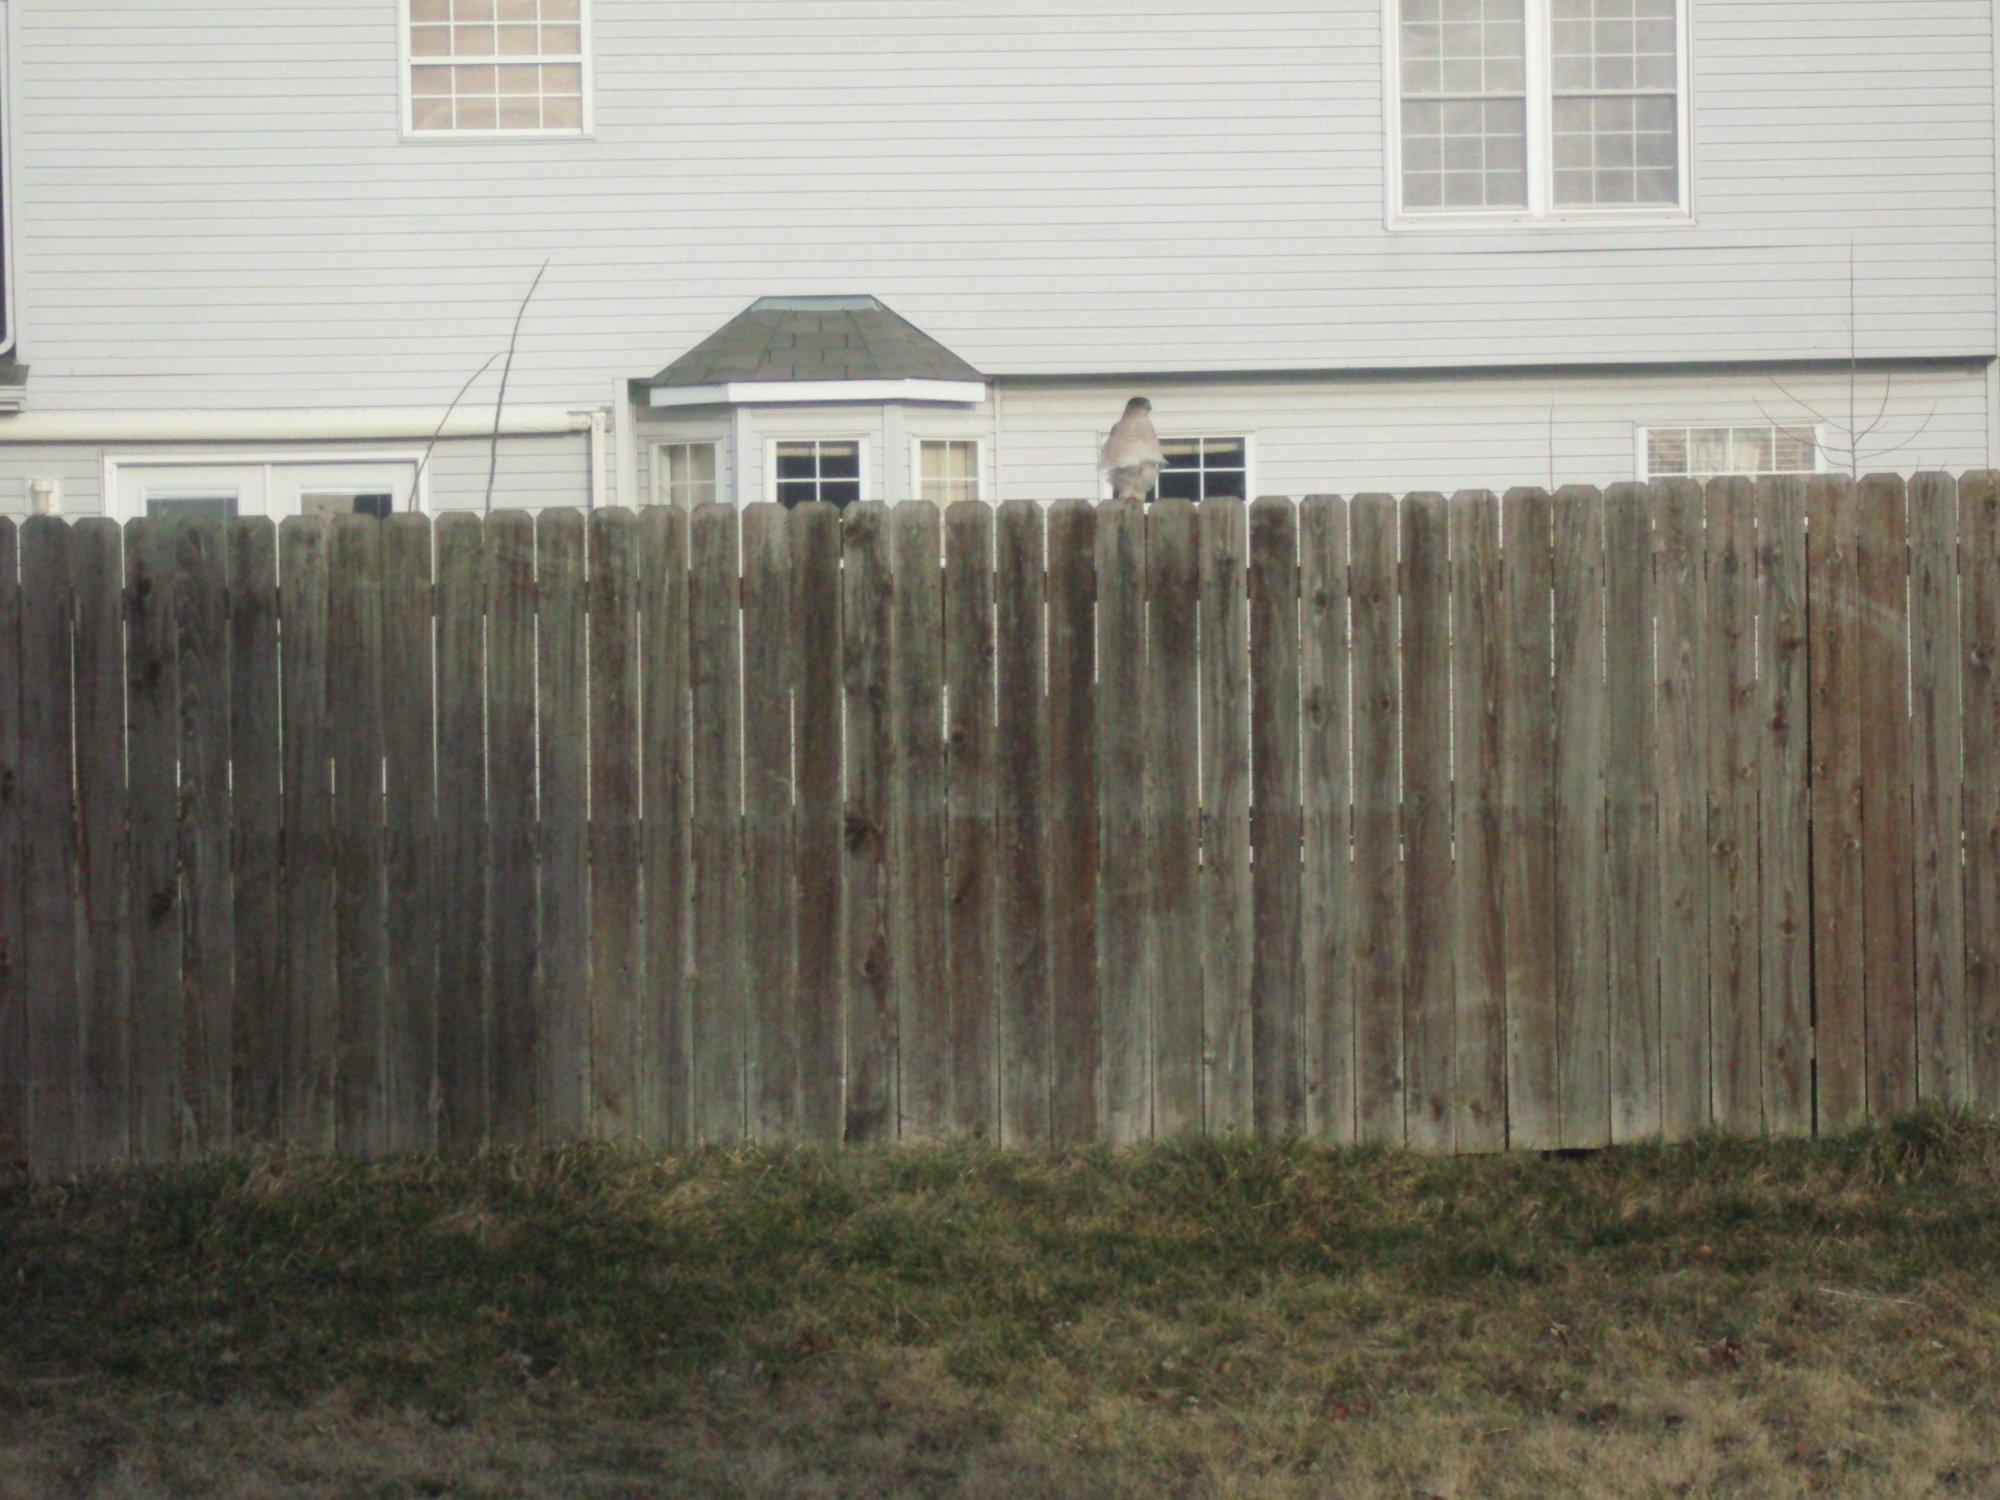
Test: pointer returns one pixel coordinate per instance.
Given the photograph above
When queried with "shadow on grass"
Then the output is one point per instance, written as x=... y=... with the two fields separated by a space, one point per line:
x=425 y=1283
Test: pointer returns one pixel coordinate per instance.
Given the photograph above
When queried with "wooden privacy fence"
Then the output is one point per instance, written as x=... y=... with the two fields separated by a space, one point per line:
x=1467 y=824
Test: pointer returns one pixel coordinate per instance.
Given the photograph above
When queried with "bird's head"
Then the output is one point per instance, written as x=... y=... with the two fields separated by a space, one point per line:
x=1137 y=404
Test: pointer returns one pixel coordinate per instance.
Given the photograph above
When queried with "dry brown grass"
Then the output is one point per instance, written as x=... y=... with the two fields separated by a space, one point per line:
x=1722 y=1319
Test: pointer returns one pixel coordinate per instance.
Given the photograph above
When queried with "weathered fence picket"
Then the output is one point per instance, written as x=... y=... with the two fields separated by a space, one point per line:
x=14 y=1064
x=1458 y=823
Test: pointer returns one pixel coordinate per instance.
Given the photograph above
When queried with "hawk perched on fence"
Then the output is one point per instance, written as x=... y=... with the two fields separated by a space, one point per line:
x=1132 y=452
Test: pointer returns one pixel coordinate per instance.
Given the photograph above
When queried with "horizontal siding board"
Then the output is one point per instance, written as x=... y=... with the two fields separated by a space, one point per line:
x=151 y=138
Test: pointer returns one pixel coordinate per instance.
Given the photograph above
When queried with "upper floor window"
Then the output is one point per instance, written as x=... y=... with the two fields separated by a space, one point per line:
x=1705 y=452
x=497 y=67
x=1538 y=108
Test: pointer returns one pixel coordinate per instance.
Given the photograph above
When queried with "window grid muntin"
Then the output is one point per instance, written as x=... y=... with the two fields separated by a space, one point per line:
x=947 y=470
x=497 y=66
x=1464 y=103
x=1665 y=24
x=1615 y=115
x=1219 y=468
x=827 y=469
x=689 y=473
x=1752 y=449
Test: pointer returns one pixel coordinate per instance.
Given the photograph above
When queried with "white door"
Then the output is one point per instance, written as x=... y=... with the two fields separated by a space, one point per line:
x=280 y=488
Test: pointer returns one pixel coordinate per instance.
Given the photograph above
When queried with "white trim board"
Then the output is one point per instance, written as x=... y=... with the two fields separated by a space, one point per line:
x=386 y=424
x=818 y=393
x=265 y=463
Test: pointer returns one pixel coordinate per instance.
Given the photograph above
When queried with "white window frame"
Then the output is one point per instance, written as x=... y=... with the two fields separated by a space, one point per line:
x=1203 y=434
x=1541 y=211
x=268 y=464
x=861 y=438
x=982 y=488
x=660 y=495
x=407 y=124
x=1642 y=439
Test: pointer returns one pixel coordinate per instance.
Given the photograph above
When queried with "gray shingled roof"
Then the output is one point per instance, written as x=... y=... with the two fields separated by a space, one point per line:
x=814 y=338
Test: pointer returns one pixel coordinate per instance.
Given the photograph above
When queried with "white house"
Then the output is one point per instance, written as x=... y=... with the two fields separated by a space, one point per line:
x=256 y=250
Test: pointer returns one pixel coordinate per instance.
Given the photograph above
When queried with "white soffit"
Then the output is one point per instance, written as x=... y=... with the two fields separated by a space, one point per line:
x=820 y=392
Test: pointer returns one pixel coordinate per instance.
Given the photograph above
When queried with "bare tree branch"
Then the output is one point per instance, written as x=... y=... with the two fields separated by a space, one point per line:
x=1814 y=412
x=1875 y=453
x=416 y=484
x=1888 y=385
x=500 y=405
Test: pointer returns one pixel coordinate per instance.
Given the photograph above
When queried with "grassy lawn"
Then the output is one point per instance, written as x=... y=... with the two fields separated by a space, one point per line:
x=1720 y=1319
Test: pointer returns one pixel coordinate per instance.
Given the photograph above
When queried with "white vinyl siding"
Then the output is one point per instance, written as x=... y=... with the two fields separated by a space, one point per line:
x=1343 y=437
x=215 y=208
x=1351 y=437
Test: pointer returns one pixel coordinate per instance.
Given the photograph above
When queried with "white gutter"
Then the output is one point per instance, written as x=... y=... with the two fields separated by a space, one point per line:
x=818 y=393
x=359 y=424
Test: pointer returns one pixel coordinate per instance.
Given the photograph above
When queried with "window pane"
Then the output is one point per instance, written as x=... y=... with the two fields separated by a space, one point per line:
x=1204 y=468
x=1615 y=66
x=1666 y=452
x=689 y=472
x=840 y=460
x=1479 y=145
x=431 y=114
x=1795 y=450
x=1750 y=450
x=547 y=98
x=1704 y=452
x=218 y=504
x=796 y=461
x=1613 y=135
x=842 y=492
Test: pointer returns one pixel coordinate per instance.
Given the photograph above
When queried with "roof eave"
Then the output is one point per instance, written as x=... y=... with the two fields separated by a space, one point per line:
x=818 y=393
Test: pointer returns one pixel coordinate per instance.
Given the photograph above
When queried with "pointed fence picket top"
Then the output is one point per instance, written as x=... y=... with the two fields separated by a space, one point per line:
x=1466 y=823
